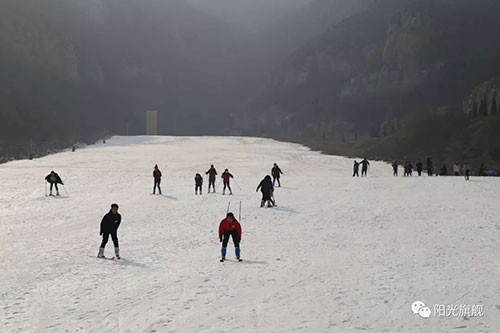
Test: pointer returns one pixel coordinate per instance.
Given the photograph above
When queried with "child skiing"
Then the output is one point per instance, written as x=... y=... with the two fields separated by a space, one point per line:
x=266 y=187
x=226 y=177
x=53 y=179
x=395 y=168
x=109 y=226
x=229 y=227
x=198 y=181
x=211 y=177
x=356 y=169
x=157 y=178
x=276 y=172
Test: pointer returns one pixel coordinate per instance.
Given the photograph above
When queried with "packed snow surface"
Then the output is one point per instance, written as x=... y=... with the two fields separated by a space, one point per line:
x=338 y=254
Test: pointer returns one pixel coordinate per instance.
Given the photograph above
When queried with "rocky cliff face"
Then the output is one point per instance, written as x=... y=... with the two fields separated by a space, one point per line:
x=484 y=100
x=374 y=72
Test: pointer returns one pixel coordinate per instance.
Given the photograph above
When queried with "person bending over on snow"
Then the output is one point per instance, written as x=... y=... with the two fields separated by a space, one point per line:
x=276 y=172
x=266 y=187
x=157 y=177
x=356 y=169
x=211 y=177
x=226 y=176
x=364 y=167
x=198 y=183
x=109 y=226
x=229 y=227
x=54 y=179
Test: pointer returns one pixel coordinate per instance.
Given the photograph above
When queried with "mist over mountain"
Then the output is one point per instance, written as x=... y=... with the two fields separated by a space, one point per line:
x=375 y=78
x=348 y=76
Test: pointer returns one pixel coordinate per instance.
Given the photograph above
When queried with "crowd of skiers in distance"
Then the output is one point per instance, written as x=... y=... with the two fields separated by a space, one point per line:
x=408 y=168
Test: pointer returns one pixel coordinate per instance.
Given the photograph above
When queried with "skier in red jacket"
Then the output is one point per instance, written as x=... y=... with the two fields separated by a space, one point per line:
x=226 y=177
x=230 y=227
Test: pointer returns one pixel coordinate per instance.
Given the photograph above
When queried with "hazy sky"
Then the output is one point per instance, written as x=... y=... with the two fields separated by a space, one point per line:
x=250 y=14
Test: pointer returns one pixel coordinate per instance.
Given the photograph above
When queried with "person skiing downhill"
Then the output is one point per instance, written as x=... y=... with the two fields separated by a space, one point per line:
x=198 y=181
x=157 y=178
x=230 y=227
x=395 y=168
x=364 y=167
x=211 y=177
x=226 y=177
x=109 y=226
x=267 y=189
x=276 y=172
x=53 y=179
x=356 y=169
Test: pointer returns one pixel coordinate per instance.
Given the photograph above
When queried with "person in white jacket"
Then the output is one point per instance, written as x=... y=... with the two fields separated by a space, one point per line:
x=456 y=169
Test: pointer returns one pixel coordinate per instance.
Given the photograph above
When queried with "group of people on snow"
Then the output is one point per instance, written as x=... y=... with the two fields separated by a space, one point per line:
x=443 y=171
x=364 y=168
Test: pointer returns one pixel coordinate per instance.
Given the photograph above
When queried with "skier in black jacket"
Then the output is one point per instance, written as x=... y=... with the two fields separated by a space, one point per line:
x=54 y=179
x=276 y=172
x=211 y=177
x=364 y=167
x=266 y=187
x=109 y=226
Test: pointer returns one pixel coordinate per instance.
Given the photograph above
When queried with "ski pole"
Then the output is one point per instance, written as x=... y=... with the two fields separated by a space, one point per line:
x=237 y=184
x=239 y=215
x=64 y=188
x=45 y=187
x=228 y=205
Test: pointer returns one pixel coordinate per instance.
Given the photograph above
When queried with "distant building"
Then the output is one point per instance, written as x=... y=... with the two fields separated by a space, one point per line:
x=151 y=122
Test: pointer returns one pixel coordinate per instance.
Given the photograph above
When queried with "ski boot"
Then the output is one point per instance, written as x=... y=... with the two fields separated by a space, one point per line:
x=101 y=253
x=117 y=253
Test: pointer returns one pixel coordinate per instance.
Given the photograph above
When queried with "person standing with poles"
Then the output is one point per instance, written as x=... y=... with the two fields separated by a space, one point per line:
x=211 y=177
x=53 y=179
x=226 y=177
x=276 y=172
x=266 y=187
x=109 y=226
x=364 y=167
x=157 y=178
x=230 y=227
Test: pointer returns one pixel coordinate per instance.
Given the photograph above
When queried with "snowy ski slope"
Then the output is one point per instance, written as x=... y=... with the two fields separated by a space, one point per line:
x=337 y=255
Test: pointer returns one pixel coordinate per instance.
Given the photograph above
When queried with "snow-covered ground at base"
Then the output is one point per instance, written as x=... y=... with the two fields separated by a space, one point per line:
x=338 y=254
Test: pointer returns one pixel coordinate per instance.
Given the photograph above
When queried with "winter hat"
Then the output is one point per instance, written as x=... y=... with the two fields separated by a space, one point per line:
x=156 y=166
x=230 y=215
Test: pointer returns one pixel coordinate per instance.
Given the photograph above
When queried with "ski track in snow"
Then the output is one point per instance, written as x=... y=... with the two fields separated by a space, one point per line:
x=337 y=255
